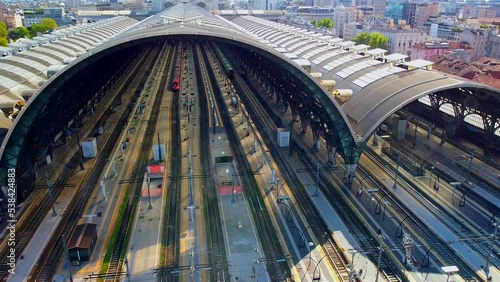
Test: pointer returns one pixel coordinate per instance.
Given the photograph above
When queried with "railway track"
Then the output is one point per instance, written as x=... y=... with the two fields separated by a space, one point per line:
x=431 y=241
x=278 y=271
x=218 y=260
x=320 y=229
x=50 y=256
x=452 y=220
x=127 y=221
x=461 y=169
x=26 y=231
x=173 y=196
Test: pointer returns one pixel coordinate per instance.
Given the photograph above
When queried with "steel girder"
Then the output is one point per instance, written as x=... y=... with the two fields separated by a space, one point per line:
x=314 y=105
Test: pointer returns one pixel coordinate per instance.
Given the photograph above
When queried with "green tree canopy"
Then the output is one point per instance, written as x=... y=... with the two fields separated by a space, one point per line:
x=19 y=32
x=45 y=24
x=3 y=30
x=48 y=22
x=4 y=42
x=325 y=22
x=3 y=34
x=374 y=40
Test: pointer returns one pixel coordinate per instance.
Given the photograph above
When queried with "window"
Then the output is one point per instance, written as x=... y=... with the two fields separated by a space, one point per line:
x=448 y=109
x=475 y=120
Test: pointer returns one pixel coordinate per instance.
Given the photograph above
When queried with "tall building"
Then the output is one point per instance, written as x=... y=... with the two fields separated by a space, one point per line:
x=344 y=3
x=409 y=13
x=424 y=11
x=400 y=40
x=2 y=19
x=467 y=12
x=493 y=45
x=394 y=11
x=478 y=42
x=341 y=16
x=34 y=16
x=12 y=20
x=379 y=7
x=352 y=30
x=308 y=13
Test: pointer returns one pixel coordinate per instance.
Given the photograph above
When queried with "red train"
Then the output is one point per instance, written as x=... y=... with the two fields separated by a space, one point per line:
x=176 y=83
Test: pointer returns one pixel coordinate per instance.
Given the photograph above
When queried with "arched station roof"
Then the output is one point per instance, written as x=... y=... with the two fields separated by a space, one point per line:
x=24 y=72
x=380 y=84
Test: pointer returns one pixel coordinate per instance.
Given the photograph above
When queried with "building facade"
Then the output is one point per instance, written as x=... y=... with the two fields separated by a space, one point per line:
x=379 y=7
x=35 y=16
x=400 y=40
x=394 y=11
x=308 y=13
x=427 y=50
x=424 y=11
x=409 y=13
x=493 y=45
x=466 y=12
x=352 y=30
x=477 y=40
x=13 y=20
x=342 y=16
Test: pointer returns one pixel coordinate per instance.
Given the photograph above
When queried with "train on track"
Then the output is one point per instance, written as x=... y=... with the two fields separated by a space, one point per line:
x=176 y=83
x=226 y=65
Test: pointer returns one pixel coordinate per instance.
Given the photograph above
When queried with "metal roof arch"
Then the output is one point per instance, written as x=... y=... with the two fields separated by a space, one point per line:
x=411 y=93
x=14 y=140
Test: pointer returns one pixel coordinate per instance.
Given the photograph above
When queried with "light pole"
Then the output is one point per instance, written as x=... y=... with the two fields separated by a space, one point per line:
x=54 y=213
x=148 y=180
x=399 y=231
x=432 y=172
x=302 y=235
x=397 y=172
x=314 y=271
x=377 y=206
x=279 y=188
x=66 y=252
x=454 y=185
x=490 y=252
x=385 y=207
x=288 y=217
x=360 y=186
x=317 y=177
x=380 y=250
x=470 y=163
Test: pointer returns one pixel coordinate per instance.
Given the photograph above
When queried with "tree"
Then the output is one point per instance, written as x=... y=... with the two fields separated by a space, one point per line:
x=49 y=23
x=20 y=32
x=3 y=30
x=374 y=39
x=325 y=22
x=4 y=42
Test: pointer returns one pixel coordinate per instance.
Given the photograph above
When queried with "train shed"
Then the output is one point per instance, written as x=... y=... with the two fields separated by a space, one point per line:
x=82 y=242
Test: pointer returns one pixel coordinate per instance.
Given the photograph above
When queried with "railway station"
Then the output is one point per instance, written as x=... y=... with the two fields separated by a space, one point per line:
x=244 y=149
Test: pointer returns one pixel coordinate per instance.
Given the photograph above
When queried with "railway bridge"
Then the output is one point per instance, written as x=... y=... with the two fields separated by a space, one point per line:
x=340 y=91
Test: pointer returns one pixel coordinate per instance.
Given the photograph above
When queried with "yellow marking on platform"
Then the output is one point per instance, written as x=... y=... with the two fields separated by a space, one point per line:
x=112 y=221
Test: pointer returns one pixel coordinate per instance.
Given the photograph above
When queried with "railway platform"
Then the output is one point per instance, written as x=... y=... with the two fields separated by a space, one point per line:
x=449 y=155
x=145 y=243
x=428 y=147
x=49 y=222
x=242 y=246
